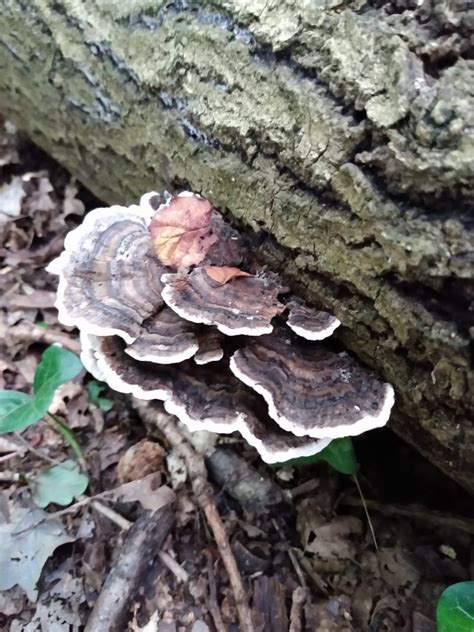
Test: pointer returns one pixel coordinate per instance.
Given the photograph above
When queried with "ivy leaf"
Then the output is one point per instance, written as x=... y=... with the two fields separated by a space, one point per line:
x=94 y=389
x=181 y=231
x=339 y=454
x=59 y=484
x=224 y=274
x=455 y=610
x=57 y=366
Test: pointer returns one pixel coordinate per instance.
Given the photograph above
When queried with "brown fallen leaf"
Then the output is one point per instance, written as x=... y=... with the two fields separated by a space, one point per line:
x=224 y=274
x=181 y=231
x=148 y=491
x=141 y=459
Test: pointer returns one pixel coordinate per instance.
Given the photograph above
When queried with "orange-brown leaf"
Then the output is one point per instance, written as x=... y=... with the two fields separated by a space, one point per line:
x=224 y=274
x=181 y=231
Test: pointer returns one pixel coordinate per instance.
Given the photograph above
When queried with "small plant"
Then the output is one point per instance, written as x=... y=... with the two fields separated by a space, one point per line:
x=18 y=410
x=455 y=611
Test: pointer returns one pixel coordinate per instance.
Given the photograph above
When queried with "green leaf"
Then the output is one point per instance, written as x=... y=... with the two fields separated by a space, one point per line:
x=57 y=366
x=9 y=400
x=455 y=611
x=339 y=454
x=60 y=484
x=17 y=410
x=94 y=390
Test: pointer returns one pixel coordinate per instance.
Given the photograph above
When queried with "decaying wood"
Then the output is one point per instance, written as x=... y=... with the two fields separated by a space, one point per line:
x=338 y=136
x=143 y=540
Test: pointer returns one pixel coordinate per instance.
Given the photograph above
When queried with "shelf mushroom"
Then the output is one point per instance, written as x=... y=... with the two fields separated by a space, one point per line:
x=170 y=306
x=310 y=323
x=313 y=391
x=244 y=306
x=109 y=279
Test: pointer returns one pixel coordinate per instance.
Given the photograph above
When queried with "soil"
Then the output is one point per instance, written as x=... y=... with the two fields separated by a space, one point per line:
x=300 y=535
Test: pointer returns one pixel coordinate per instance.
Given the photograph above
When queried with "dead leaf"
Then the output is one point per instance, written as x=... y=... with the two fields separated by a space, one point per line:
x=141 y=459
x=181 y=231
x=329 y=541
x=72 y=205
x=11 y=199
x=27 y=542
x=147 y=491
x=398 y=570
x=224 y=274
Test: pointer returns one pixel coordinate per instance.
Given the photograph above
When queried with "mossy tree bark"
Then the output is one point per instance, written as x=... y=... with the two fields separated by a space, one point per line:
x=340 y=135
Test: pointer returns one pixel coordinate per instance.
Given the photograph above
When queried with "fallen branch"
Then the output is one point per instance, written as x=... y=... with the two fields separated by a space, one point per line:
x=143 y=540
x=196 y=468
x=416 y=512
x=298 y=600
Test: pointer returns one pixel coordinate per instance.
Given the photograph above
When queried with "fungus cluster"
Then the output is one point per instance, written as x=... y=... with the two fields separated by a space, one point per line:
x=171 y=306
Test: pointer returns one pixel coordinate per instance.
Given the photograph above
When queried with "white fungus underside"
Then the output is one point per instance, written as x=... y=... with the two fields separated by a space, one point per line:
x=366 y=422
x=241 y=426
x=310 y=334
x=166 y=358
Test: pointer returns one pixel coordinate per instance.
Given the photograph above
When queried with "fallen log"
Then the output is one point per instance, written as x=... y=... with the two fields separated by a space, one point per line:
x=339 y=137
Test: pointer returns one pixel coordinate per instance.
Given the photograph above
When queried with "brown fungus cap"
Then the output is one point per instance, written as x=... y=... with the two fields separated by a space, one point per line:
x=109 y=279
x=122 y=373
x=243 y=306
x=165 y=338
x=222 y=404
x=310 y=323
x=312 y=390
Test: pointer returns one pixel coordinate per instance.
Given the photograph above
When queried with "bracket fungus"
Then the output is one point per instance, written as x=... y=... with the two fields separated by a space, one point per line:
x=162 y=288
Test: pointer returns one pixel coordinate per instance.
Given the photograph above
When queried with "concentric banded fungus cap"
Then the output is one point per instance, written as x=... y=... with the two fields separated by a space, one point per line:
x=124 y=374
x=225 y=406
x=311 y=390
x=243 y=306
x=165 y=338
x=109 y=279
x=310 y=323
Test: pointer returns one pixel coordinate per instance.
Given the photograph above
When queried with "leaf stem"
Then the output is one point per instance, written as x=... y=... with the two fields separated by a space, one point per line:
x=366 y=510
x=70 y=437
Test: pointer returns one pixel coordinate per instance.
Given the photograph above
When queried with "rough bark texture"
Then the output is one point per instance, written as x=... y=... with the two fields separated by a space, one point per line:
x=342 y=133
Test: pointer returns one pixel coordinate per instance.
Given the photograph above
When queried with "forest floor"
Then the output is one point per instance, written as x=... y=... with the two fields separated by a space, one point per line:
x=300 y=536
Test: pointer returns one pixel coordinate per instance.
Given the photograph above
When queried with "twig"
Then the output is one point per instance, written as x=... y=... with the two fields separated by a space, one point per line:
x=317 y=580
x=38 y=453
x=364 y=505
x=417 y=512
x=291 y=554
x=143 y=539
x=112 y=515
x=172 y=565
x=9 y=477
x=33 y=333
x=298 y=597
x=212 y=602
x=204 y=497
